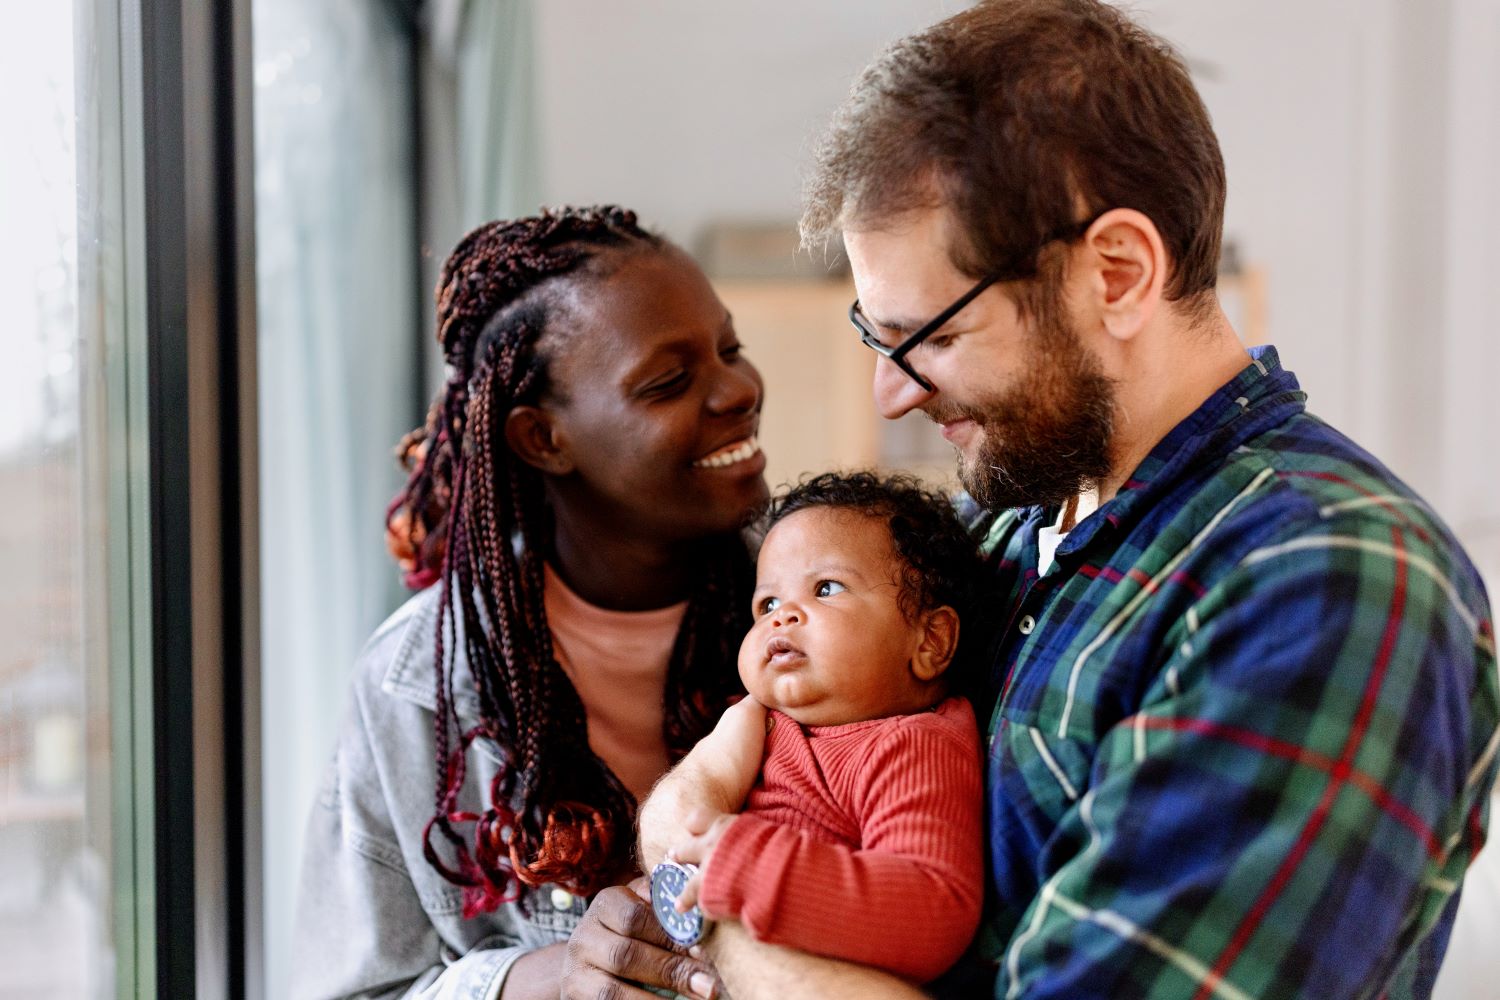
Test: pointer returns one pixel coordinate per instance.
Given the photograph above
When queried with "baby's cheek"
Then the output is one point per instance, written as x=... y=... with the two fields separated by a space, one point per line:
x=749 y=661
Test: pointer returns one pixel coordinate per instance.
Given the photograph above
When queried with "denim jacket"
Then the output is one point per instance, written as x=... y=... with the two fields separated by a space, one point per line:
x=373 y=918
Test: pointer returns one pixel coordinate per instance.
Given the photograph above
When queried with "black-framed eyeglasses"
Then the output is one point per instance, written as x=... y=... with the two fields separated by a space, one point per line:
x=1012 y=272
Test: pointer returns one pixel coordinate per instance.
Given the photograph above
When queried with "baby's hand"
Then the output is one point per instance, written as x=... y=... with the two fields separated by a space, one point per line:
x=706 y=827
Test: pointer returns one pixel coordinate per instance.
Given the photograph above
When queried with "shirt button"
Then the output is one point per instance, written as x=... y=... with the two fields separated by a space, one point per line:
x=1027 y=624
x=562 y=899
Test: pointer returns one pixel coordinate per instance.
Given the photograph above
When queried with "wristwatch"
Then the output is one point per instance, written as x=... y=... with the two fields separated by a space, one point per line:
x=667 y=882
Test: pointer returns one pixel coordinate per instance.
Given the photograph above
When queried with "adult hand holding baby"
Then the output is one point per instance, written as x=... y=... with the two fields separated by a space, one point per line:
x=620 y=939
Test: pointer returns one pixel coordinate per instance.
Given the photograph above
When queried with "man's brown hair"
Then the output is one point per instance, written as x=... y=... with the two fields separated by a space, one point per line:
x=1014 y=114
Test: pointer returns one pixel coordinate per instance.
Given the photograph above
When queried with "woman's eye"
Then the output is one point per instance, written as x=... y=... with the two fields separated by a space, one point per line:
x=668 y=385
x=767 y=605
x=827 y=588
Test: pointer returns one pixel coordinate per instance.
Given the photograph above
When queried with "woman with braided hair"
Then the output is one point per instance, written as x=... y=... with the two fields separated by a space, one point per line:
x=573 y=511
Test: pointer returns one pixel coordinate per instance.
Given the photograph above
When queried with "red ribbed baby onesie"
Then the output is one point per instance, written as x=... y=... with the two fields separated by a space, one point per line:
x=862 y=842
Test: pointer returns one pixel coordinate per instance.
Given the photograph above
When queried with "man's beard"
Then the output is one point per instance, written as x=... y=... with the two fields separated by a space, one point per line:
x=1047 y=438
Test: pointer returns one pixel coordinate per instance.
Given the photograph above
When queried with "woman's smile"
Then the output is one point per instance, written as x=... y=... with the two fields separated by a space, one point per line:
x=656 y=407
x=731 y=454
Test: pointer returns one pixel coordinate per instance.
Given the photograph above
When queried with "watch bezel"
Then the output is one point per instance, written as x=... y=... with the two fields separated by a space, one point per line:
x=658 y=899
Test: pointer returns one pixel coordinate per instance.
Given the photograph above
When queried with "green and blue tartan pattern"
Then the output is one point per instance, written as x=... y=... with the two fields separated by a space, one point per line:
x=1245 y=727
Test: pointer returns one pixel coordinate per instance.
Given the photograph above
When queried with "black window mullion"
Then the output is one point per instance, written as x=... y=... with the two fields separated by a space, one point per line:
x=200 y=383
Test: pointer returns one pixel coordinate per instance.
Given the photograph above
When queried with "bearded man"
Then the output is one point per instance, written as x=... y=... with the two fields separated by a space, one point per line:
x=1243 y=719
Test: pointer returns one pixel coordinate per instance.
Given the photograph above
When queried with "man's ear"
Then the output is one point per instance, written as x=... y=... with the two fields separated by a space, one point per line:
x=939 y=643
x=535 y=439
x=1126 y=262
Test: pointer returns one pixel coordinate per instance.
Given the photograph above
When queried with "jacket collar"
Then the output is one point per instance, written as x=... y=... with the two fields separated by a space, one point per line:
x=411 y=675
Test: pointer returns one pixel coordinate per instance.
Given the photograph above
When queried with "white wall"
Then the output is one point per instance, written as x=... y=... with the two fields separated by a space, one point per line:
x=689 y=110
x=1359 y=141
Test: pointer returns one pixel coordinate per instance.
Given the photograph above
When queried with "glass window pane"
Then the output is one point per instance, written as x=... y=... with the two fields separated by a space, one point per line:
x=337 y=324
x=56 y=871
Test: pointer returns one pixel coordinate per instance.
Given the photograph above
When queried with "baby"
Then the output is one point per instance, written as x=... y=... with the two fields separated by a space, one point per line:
x=862 y=839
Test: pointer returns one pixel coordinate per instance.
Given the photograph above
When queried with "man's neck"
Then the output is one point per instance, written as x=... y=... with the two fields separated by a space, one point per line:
x=1168 y=377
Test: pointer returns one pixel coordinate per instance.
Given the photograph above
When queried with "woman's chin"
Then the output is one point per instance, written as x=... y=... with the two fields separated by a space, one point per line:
x=740 y=502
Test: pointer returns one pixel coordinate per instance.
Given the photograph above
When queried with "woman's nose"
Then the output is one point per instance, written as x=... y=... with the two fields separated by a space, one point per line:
x=737 y=389
x=896 y=393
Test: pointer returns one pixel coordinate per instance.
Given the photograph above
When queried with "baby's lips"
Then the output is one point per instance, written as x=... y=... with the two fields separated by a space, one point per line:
x=780 y=644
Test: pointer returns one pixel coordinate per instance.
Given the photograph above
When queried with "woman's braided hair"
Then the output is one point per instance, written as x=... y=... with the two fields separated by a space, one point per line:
x=474 y=517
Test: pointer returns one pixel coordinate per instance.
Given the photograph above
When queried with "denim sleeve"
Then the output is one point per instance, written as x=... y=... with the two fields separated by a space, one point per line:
x=362 y=927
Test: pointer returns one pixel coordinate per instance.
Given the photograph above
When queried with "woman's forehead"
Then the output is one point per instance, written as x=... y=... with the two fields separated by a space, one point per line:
x=652 y=302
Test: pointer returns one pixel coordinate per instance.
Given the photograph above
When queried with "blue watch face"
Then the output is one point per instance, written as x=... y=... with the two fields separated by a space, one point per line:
x=667 y=882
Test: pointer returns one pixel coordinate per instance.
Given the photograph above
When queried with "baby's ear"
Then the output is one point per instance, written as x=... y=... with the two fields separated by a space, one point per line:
x=939 y=643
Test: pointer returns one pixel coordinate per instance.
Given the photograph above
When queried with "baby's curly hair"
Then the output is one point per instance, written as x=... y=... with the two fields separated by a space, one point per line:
x=942 y=565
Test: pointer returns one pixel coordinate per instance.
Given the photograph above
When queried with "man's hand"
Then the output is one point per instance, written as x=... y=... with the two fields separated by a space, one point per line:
x=706 y=827
x=715 y=778
x=619 y=944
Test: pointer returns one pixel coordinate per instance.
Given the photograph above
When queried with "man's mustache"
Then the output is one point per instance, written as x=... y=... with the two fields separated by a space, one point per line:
x=948 y=414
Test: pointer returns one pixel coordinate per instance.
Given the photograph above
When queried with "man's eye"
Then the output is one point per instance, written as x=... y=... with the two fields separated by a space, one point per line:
x=732 y=352
x=827 y=588
x=767 y=605
x=938 y=341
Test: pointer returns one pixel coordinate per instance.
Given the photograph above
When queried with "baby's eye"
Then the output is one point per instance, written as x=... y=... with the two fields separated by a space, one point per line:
x=767 y=605
x=827 y=588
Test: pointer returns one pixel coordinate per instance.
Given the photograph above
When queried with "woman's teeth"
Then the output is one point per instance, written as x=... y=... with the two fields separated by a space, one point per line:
x=729 y=455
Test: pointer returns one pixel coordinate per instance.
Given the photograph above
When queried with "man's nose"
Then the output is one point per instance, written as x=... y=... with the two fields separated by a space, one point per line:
x=896 y=393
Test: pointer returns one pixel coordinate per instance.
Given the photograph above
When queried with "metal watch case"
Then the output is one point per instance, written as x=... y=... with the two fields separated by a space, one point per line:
x=667 y=882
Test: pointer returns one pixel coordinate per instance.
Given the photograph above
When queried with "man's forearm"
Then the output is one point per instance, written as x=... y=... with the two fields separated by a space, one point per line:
x=752 y=970
x=692 y=784
x=716 y=775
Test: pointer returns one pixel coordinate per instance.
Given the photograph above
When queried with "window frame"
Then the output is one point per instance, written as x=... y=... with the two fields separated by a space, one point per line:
x=182 y=517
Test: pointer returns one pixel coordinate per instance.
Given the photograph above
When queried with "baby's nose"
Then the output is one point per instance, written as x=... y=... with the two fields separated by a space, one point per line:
x=785 y=616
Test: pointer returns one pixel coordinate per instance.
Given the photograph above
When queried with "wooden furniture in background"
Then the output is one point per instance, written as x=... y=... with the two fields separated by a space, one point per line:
x=818 y=414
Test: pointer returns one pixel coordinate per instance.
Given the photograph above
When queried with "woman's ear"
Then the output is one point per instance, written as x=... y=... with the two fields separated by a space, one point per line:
x=535 y=439
x=939 y=643
x=1127 y=266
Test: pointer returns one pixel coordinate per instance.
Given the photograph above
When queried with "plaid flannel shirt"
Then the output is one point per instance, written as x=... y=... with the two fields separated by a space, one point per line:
x=1246 y=724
